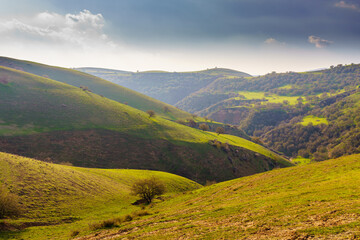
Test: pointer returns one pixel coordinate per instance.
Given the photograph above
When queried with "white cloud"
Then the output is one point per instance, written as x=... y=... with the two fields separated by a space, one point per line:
x=319 y=42
x=273 y=42
x=81 y=30
x=343 y=4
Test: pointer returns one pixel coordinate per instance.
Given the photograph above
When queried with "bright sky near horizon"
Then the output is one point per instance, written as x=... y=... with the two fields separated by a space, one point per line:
x=254 y=36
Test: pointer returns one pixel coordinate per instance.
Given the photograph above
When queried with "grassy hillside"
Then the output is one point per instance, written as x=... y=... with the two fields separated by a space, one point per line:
x=96 y=85
x=53 y=121
x=58 y=199
x=315 y=201
x=169 y=87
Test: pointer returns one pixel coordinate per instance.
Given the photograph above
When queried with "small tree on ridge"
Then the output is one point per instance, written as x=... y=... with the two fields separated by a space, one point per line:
x=204 y=127
x=220 y=130
x=148 y=188
x=151 y=113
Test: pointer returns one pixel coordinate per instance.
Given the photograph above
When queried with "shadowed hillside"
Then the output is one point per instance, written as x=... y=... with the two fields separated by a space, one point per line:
x=169 y=87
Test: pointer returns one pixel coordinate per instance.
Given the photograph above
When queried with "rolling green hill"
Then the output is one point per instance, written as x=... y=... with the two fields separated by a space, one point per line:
x=96 y=85
x=315 y=201
x=169 y=87
x=57 y=199
x=57 y=122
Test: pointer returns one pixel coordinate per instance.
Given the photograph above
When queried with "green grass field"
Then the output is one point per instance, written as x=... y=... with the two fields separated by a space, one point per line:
x=313 y=120
x=65 y=198
x=271 y=98
x=301 y=161
x=314 y=201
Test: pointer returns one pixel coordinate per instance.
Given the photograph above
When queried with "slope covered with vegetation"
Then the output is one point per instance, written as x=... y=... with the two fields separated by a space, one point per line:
x=56 y=200
x=315 y=201
x=57 y=122
x=96 y=85
x=323 y=132
x=169 y=87
x=311 y=114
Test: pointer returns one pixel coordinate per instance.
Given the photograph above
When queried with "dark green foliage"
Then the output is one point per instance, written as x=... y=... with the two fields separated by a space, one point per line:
x=204 y=127
x=310 y=83
x=191 y=123
x=220 y=130
x=259 y=119
x=340 y=137
x=278 y=124
x=151 y=113
x=147 y=189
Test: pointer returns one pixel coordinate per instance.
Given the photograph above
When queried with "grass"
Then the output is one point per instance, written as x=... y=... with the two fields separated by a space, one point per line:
x=67 y=199
x=97 y=85
x=301 y=161
x=313 y=120
x=271 y=98
x=319 y=201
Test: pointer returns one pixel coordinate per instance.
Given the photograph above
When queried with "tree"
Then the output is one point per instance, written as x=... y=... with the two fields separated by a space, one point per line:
x=85 y=88
x=191 y=123
x=151 y=113
x=220 y=130
x=166 y=109
x=148 y=188
x=204 y=127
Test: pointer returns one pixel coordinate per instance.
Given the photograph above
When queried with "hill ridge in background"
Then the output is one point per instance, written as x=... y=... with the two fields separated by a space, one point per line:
x=97 y=85
x=169 y=87
x=54 y=121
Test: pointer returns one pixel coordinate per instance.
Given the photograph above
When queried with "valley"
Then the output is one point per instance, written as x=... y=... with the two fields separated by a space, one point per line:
x=56 y=122
x=73 y=146
x=179 y=120
x=320 y=107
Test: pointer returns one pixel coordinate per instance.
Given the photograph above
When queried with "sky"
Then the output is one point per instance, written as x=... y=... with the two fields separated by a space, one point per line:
x=253 y=36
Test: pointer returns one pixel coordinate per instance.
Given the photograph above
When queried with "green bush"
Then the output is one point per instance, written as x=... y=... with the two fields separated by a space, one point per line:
x=9 y=203
x=204 y=127
x=147 y=189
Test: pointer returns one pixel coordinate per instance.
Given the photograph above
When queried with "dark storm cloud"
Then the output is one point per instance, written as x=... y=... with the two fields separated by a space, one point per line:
x=191 y=20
